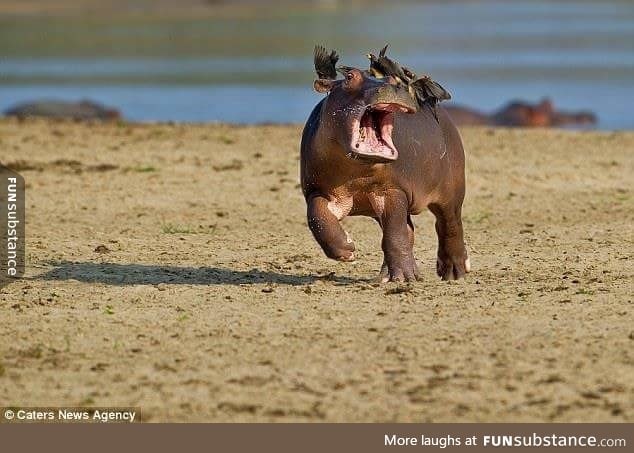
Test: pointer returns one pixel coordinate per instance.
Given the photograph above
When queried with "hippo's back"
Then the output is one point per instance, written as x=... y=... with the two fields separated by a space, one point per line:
x=311 y=126
x=310 y=129
x=431 y=157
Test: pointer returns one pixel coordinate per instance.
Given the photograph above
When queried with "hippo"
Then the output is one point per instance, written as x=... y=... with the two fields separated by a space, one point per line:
x=82 y=110
x=521 y=114
x=369 y=149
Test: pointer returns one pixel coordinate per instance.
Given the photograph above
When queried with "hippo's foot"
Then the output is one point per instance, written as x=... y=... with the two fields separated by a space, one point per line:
x=453 y=268
x=346 y=257
x=335 y=242
x=403 y=272
x=345 y=254
x=342 y=252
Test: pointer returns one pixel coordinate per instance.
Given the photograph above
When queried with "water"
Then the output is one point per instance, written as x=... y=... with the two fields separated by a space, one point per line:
x=259 y=69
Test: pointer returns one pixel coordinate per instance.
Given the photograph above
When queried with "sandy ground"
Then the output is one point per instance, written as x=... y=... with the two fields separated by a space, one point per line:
x=170 y=268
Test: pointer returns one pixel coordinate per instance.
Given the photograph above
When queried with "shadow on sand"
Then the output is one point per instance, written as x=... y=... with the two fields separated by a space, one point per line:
x=144 y=274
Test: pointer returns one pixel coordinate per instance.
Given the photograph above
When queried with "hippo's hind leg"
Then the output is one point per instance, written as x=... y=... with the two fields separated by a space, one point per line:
x=334 y=241
x=398 y=240
x=453 y=261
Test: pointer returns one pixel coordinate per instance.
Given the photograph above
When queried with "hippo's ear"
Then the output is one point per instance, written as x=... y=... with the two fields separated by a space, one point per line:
x=323 y=85
x=325 y=63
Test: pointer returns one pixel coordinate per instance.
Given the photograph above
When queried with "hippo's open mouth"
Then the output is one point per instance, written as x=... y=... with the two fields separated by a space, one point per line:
x=372 y=133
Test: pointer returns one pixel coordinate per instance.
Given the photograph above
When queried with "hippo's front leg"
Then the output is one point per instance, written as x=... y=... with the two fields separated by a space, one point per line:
x=327 y=230
x=398 y=240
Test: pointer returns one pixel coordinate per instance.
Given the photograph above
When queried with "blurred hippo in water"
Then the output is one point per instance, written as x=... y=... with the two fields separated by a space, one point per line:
x=82 y=110
x=521 y=114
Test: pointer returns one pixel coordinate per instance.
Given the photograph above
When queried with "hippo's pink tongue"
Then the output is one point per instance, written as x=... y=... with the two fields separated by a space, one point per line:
x=372 y=133
x=374 y=138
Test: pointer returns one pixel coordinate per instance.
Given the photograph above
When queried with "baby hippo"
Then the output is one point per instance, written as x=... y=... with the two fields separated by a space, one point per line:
x=368 y=148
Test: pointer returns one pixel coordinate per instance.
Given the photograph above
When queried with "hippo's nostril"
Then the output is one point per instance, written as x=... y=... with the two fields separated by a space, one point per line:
x=357 y=145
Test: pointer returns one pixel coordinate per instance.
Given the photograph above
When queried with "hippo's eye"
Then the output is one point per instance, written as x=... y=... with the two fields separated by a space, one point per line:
x=349 y=76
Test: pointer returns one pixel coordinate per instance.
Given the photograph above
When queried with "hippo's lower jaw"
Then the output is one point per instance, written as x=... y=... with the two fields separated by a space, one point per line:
x=372 y=133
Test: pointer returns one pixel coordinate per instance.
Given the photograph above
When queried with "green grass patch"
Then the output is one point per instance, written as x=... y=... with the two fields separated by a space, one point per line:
x=175 y=228
x=144 y=169
x=225 y=139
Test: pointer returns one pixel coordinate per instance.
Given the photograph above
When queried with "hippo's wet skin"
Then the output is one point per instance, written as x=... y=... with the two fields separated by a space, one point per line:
x=368 y=149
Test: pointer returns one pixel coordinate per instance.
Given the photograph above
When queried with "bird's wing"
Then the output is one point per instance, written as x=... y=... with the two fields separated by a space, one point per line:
x=431 y=89
x=325 y=63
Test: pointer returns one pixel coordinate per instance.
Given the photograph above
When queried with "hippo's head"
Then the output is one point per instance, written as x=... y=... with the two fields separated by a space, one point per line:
x=523 y=114
x=546 y=109
x=542 y=114
x=581 y=118
x=359 y=109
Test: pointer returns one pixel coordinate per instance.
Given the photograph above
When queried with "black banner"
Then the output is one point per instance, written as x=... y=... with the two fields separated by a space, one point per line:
x=318 y=438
